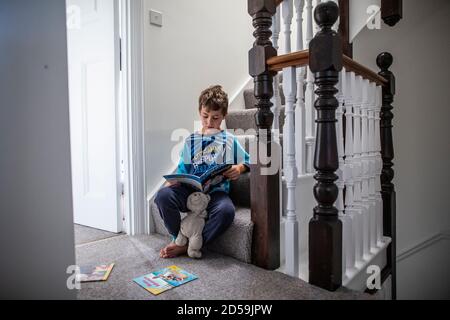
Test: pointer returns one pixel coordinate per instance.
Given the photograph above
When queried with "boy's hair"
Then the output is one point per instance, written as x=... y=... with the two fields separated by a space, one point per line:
x=214 y=98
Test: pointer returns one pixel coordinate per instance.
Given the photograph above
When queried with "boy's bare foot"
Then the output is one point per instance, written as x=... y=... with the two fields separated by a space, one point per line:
x=172 y=251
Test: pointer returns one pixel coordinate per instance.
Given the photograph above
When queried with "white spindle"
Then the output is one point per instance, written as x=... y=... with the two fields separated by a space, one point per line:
x=287 y=12
x=379 y=166
x=372 y=166
x=340 y=172
x=300 y=114
x=309 y=95
x=348 y=171
x=276 y=99
x=357 y=165
x=290 y=170
x=365 y=169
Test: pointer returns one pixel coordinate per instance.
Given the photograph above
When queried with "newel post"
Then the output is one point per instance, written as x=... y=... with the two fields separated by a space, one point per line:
x=384 y=62
x=325 y=228
x=264 y=177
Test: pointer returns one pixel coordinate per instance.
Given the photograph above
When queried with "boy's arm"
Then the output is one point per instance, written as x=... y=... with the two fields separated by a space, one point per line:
x=242 y=157
x=241 y=160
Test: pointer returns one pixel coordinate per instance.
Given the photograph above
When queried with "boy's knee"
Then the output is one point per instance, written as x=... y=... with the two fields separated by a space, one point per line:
x=163 y=195
x=228 y=212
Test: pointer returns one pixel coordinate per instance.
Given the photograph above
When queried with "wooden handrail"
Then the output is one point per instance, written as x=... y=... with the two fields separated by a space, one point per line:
x=294 y=59
x=301 y=58
x=366 y=73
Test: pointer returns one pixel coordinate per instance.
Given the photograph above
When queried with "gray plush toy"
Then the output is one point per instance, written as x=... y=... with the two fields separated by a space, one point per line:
x=192 y=225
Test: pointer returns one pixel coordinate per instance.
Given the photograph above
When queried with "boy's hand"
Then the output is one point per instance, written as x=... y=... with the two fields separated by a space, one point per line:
x=234 y=172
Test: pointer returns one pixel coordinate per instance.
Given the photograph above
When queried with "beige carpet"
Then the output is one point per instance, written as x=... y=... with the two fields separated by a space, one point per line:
x=85 y=234
x=220 y=277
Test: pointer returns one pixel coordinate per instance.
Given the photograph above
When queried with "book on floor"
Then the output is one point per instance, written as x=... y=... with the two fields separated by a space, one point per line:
x=165 y=279
x=95 y=273
x=206 y=181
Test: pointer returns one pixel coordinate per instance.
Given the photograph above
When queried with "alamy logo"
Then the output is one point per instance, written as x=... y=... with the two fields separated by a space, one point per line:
x=374 y=280
x=257 y=150
x=374 y=19
x=72 y=280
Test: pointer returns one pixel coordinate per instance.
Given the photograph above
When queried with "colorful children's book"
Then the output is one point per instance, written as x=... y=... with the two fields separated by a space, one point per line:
x=164 y=279
x=95 y=273
x=204 y=182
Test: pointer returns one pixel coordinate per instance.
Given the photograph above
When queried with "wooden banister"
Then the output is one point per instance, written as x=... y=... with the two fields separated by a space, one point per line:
x=363 y=71
x=384 y=62
x=264 y=187
x=325 y=228
x=301 y=58
x=294 y=59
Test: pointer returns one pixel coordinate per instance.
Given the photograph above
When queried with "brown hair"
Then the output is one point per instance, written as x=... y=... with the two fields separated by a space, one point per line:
x=214 y=98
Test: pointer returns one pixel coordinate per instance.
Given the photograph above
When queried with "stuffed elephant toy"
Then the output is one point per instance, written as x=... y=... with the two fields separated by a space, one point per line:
x=192 y=225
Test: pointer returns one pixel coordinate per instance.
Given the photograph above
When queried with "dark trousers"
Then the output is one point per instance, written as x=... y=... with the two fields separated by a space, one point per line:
x=172 y=200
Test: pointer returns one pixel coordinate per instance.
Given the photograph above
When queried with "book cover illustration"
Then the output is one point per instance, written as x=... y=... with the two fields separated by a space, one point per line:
x=164 y=279
x=95 y=273
x=206 y=181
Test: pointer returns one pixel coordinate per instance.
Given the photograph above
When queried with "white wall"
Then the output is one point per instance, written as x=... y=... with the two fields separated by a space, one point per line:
x=36 y=229
x=201 y=43
x=420 y=46
x=358 y=15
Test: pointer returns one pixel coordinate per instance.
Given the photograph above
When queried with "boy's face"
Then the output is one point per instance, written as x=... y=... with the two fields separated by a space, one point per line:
x=211 y=120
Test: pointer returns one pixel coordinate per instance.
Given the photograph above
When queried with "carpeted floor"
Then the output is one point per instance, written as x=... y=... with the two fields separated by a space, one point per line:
x=220 y=277
x=85 y=234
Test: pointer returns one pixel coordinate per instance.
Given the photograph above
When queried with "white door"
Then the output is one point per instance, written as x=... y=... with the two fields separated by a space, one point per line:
x=93 y=52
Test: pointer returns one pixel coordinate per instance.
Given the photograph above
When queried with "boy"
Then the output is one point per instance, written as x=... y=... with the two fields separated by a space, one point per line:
x=203 y=150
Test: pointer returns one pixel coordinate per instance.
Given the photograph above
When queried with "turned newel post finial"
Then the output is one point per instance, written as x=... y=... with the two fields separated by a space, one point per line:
x=326 y=47
x=326 y=14
x=325 y=228
x=384 y=61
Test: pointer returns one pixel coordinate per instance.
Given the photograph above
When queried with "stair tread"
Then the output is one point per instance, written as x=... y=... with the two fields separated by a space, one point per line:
x=235 y=241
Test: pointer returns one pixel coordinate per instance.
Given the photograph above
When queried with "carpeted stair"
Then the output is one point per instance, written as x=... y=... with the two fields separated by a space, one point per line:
x=236 y=241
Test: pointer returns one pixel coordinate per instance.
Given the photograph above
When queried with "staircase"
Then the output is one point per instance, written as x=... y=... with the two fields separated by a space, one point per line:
x=329 y=111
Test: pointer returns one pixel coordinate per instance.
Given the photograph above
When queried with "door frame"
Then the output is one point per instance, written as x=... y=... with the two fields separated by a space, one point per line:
x=119 y=108
x=135 y=207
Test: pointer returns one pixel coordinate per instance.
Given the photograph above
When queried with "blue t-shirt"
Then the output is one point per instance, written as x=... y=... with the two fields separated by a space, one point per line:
x=202 y=152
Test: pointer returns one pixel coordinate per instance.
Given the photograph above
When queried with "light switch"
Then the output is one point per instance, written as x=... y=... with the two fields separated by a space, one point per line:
x=156 y=18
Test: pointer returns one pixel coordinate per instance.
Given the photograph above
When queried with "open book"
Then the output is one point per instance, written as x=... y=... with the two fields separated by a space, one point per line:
x=164 y=279
x=95 y=273
x=205 y=182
